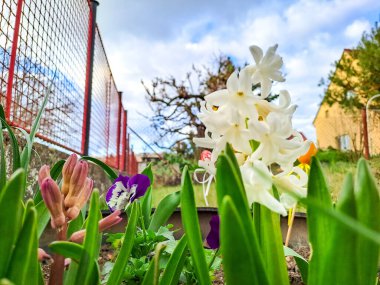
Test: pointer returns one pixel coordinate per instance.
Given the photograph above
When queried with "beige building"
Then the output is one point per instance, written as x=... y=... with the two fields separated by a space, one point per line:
x=343 y=130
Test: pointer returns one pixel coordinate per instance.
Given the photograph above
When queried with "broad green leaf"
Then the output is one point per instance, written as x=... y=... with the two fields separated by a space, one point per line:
x=302 y=263
x=338 y=269
x=164 y=210
x=108 y=170
x=229 y=183
x=153 y=274
x=146 y=203
x=239 y=264
x=56 y=170
x=319 y=226
x=344 y=219
x=14 y=144
x=368 y=213
x=75 y=225
x=148 y=172
x=67 y=249
x=126 y=248
x=191 y=227
x=10 y=216
x=231 y=155
x=270 y=237
x=90 y=244
x=25 y=251
x=3 y=166
x=43 y=217
x=175 y=264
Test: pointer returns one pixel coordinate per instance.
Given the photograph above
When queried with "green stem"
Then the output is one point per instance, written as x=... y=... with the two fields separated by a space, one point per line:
x=213 y=258
x=141 y=221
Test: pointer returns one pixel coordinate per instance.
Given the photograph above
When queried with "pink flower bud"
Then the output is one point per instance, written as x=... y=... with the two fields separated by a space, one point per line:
x=110 y=221
x=42 y=174
x=67 y=172
x=77 y=182
x=205 y=155
x=84 y=195
x=104 y=224
x=53 y=199
x=42 y=255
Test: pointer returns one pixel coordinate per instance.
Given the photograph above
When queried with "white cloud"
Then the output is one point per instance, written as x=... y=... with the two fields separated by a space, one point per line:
x=311 y=35
x=356 y=29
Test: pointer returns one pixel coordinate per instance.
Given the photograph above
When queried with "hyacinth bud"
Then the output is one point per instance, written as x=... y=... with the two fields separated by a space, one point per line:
x=104 y=224
x=77 y=182
x=42 y=255
x=67 y=172
x=42 y=174
x=53 y=199
x=206 y=155
x=85 y=194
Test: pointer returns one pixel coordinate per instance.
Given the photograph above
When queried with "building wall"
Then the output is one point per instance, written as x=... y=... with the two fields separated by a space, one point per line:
x=332 y=123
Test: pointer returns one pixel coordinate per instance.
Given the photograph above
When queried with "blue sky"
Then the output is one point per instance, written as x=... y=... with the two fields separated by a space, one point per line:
x=146 y=39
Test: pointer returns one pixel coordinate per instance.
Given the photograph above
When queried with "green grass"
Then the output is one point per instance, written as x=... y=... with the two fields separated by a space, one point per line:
x=335 y=173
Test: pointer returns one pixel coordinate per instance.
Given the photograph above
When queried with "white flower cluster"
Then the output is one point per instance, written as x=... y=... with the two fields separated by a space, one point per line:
x=260 y=132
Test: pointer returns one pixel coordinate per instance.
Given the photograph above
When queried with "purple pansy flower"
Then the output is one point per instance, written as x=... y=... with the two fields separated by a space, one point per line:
x=125 y=190
x=213 y=236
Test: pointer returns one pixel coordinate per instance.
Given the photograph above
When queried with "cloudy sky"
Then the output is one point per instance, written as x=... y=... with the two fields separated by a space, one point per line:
x=146 y=39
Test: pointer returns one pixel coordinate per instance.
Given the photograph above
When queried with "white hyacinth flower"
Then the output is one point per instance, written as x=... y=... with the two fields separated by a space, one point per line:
x=267 y=68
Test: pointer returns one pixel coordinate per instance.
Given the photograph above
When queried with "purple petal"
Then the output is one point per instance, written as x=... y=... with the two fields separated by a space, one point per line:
x=124 y=180
x=213 y=236
x=141 y=182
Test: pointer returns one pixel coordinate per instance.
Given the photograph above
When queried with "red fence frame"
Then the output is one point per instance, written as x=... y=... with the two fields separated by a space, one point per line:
x=116 y=153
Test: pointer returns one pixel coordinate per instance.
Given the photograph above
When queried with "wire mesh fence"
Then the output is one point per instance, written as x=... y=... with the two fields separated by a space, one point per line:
x=46 y=45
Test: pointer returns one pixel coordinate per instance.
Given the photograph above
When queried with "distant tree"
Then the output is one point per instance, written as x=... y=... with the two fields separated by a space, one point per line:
x=176 y=103
x=356 y=76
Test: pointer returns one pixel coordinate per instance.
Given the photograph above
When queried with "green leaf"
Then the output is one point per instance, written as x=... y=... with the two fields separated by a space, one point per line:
x=27 y=151
x=368 y=212
x=43 y=217
x=107 y=170
x=146 y=203
x=302 y=263
x=10 y=216
x=338 y=269
x=164 y=210
x=175 y=264
x=14 y=145
x=3 y=167
x=75 y=225
x=153 y=274
x=67 y=249
x=229 y=183
x=25 y=251
x=270 y=237
x=91 y=244
x=191 y=227
x=319 y=226
x=148 y=172
x=126 y=248
x=239 y=264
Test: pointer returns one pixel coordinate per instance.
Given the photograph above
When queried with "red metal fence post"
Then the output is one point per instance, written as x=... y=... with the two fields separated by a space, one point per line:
x=124 y=141
x=89 y=70
x=12 y=61
x=118 y=135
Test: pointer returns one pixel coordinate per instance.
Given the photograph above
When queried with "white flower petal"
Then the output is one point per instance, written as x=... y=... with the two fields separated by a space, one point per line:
x=257 y=53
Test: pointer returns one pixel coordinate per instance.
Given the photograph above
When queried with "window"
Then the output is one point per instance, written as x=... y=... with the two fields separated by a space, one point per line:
x=344 y=143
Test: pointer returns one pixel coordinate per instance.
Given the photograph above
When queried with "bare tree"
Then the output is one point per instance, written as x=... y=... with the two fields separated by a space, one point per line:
x=176 y=103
